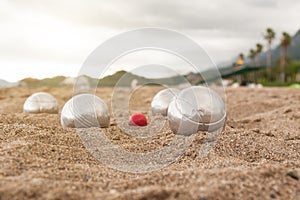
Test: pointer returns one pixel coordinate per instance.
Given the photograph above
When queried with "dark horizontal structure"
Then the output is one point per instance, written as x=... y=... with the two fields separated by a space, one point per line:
x=240 y=70
x=229 y=72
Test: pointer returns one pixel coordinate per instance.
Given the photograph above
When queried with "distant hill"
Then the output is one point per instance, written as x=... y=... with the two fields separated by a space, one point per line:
x=123 y=78
x=112 y=80
x=6 y=84
x=49 y=82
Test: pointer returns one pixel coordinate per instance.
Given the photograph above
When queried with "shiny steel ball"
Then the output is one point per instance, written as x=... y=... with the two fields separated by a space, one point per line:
x=162 y=99
x=41 y=102
x=195 y=109
x=85 y=111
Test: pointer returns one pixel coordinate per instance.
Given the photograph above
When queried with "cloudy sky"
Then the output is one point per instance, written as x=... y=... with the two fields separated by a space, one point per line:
x=40 y=38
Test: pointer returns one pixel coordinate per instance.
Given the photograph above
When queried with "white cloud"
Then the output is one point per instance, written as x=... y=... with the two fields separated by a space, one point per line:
x=63 y=33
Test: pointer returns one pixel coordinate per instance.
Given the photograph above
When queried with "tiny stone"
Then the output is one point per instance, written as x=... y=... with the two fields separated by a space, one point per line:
x=36 y=180
x=256 y=130
x=257 y=120
x=112 y=122
x=148 y=101
x=288 y=110
x=294 y=174
x=113 y=191
x=87 y=177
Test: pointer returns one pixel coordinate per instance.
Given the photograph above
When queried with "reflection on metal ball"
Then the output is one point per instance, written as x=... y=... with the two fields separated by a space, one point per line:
x=162 y=99
x=84 y=111
x=41 y=102
x=195 y=109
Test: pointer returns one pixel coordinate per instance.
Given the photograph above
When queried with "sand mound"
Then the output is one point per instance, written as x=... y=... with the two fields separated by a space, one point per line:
x=256 y=157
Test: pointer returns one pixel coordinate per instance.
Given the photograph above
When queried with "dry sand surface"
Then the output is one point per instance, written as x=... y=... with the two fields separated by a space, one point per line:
x=256 y=157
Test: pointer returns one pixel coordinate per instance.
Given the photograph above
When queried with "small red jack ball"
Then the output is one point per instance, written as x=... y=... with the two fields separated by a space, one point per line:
x=137 y=119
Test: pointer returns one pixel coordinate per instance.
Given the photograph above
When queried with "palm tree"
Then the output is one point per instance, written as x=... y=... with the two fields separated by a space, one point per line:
x=241 y=56
x=285 y=43
x=259 y=48
x=252 y=55
x=269 y=36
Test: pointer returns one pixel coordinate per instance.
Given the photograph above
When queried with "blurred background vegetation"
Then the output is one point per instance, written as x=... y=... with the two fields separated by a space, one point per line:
x=280 y=65
x=277 y=66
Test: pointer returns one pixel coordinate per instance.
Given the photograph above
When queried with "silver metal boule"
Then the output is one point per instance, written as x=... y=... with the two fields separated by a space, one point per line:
x=41 y=102
x=162 y=99
x=195 y=109
x=85 y=111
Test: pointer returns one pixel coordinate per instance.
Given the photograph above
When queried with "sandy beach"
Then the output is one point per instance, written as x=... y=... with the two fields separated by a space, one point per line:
x=257 y=156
